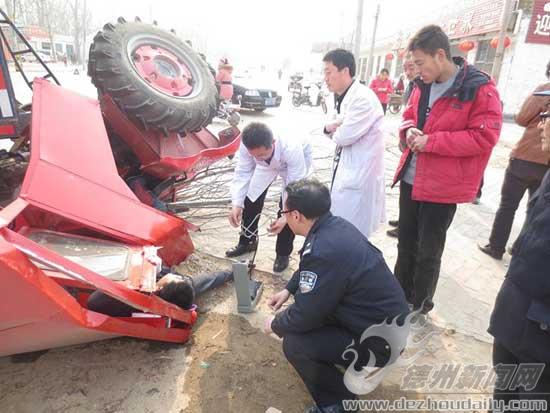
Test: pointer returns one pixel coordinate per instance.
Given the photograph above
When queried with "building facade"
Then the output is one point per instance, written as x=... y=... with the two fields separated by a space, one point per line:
x=525 y=57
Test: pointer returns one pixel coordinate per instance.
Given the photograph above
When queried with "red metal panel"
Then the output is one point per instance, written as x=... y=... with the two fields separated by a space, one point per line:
x=149 y=303
x=7 y=130
x=38 y=313
x=72 y=174
x=173 y=155
x=68 y=131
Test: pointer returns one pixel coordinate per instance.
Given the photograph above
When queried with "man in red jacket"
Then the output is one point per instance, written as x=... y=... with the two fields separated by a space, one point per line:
x=450 y=127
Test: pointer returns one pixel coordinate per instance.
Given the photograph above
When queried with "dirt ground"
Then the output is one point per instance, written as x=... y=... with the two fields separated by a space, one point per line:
x=229 y=365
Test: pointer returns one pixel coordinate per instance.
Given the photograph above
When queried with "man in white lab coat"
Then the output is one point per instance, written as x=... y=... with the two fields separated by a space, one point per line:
x=261 y=159
x=358 y=187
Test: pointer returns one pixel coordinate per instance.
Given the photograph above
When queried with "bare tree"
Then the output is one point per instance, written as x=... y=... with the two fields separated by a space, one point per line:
x=77 y=13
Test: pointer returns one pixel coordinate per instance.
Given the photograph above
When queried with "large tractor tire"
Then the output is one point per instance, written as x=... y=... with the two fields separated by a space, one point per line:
x=154 y=77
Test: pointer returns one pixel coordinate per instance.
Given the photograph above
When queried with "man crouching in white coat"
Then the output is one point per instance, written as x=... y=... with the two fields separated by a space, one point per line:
x=358 y=186
x=260 y=160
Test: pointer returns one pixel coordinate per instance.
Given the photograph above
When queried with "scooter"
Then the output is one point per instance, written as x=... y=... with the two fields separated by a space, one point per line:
x=303 y=98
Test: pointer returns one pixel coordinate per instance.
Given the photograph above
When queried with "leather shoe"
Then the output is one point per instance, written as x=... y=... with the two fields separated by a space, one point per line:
x=241 y=249
x=394 y=223
x=394 y=233
x=281 y=263
x=491 y=252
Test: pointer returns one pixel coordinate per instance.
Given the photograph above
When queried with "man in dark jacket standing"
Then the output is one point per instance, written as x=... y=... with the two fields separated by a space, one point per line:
x=342 y=287
x=525 y=171
x=520 y=322
x=450 y=127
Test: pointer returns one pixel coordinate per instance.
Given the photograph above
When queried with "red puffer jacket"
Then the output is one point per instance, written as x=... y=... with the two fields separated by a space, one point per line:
x=463 y=126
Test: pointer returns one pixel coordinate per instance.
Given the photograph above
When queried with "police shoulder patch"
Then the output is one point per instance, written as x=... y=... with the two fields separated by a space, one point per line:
x=308 y=280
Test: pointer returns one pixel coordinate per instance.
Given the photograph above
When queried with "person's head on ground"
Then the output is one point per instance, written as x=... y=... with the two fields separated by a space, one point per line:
x=306 y=200
x=409 y=68
x=258 y=140
x=339 y=70
x=431 y=53
x=384 y=74
x=177 y=290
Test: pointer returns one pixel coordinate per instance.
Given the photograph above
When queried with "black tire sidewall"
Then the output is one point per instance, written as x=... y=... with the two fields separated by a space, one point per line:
x=199 y=107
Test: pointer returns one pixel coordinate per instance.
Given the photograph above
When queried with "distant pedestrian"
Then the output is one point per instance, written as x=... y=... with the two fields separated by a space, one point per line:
x=383 y=88
x=409 y=74
x=225 y=79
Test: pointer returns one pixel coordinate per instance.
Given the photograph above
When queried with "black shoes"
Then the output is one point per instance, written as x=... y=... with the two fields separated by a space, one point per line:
x=394 y=233
x=281 y=263
x=241 y=249
x=491 y=252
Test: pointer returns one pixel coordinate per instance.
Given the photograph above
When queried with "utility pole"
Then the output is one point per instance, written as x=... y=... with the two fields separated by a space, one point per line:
x=84 y=15
x=373 y=40
x=499 y=55
x=358 y=25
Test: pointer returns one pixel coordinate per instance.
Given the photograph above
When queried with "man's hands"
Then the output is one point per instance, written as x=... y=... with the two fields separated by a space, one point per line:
x=267 y=325
x=416 y=140
x=277 y=301
x=277 y=226
x=331 y=127
x=235 y=216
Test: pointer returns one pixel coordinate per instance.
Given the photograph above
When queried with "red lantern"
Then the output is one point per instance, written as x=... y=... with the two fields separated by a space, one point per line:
x=494 y=42
x=389 y=56
x=466 y=45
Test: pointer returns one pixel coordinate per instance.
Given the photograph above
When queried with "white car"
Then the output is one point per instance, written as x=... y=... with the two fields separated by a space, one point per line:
x=29 y=57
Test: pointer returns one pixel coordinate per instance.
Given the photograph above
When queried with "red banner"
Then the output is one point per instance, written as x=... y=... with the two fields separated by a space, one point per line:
x=539 y=27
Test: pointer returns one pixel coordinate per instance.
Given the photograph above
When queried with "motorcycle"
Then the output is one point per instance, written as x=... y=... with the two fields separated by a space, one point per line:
x=396 y=103
x=226 y=111
x=302 y=97
x=295 y=83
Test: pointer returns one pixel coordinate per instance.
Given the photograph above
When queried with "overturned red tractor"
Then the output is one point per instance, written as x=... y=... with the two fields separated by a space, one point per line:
x=87 y=185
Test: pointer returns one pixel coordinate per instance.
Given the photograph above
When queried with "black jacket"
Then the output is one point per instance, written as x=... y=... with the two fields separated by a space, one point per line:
x=342 y=280
x=521 y=317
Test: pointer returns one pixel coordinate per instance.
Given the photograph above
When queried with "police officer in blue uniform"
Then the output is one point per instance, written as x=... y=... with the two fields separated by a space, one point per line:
x=342 y=287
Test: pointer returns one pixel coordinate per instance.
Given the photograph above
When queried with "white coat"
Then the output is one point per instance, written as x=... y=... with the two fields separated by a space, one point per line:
x=358 y=190
x=291 y=161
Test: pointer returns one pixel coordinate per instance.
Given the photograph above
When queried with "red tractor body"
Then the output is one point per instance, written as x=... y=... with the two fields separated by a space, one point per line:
x=74 y=226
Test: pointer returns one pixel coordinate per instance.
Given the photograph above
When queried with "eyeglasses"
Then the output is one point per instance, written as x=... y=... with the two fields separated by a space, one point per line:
x=286 y=212
x=543 y=116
